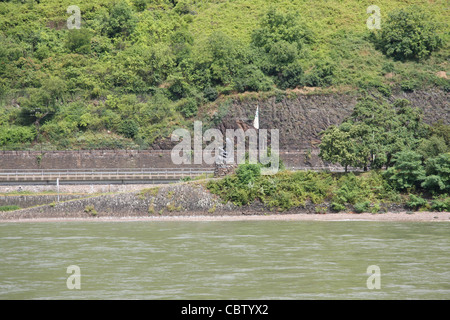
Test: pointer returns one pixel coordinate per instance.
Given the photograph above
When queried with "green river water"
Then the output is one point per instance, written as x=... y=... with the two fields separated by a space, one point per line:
x=225 y=260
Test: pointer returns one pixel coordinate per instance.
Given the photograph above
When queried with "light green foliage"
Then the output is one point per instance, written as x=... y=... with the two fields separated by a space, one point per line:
x=190 y=52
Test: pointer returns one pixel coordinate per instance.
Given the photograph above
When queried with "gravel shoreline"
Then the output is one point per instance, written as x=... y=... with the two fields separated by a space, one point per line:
x=390 y=216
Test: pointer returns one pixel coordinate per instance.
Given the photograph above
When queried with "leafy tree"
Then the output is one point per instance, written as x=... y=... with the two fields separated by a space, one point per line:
x=121 y=20
x=432 y=147
x=408 y=171
x=409 y=33
x=337 y=147
x=438 y=174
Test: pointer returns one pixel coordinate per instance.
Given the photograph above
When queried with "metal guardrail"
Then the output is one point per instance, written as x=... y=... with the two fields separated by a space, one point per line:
x=101 y=174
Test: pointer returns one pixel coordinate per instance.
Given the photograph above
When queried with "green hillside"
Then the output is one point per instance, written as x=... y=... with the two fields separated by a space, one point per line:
x=136 y=70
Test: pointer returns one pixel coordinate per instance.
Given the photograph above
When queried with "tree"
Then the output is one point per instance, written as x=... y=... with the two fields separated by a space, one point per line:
x=278 y=42
x=408 y=171
x=337 y=147
x=376 y=132
x=409 y=33
x=121 y=20
x=438 y=174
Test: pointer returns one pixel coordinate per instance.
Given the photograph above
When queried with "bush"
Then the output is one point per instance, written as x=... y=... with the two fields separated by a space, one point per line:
x=409 y=33
x=128 y=128
x=210 y=93
x=416 y=202
x=336 y=206
x=438 y=174
x=248 y=173
x=407 y=172
x=409 y=85
x=251 y=78
x=361 y=207
x=79 y=41
x=440 y=205
x=188 y=107
x=16 y=134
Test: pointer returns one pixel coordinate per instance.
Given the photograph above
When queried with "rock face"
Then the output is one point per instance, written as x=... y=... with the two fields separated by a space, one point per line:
x=301 y=118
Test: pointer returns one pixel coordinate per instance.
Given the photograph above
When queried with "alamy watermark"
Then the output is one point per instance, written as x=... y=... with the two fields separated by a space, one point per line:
x=74 y=280
x=374 y=21
x=220 y=152
x=374 y=280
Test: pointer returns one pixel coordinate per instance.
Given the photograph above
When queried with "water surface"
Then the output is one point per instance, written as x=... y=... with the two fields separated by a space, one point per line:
x=225 y=260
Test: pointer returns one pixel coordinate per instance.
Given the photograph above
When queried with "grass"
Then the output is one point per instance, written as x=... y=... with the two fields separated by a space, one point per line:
x=340 y=31
x=9 y=208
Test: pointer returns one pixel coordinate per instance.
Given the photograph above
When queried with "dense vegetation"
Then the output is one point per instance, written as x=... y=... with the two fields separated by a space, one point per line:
x=404 y=162
x=374 y=191
x=137 y=69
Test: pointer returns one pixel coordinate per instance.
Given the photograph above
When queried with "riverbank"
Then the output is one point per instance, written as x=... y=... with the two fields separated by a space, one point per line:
x=390 y=216
x=191 y=201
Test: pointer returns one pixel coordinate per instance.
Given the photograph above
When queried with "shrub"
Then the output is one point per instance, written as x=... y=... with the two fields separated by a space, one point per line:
x=16 y=134
x=409 y=33
x=128 y=128
x=188 y=107
x=90 y=209
x=438 y=173
x=407 y=172
x=441 y=205
x=79 y=41
x=336 y=206
x=210 y=93
x=361 y=207
x=248 y=173
x=409 y=85
x=416 y=202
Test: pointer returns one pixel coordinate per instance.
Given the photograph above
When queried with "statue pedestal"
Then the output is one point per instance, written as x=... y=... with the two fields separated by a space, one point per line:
x=222 y=169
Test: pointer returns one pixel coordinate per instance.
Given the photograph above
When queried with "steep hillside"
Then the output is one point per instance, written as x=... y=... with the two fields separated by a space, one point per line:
x=138 y=69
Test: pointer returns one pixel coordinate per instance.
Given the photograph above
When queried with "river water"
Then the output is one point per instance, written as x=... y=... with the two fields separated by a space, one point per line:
x=225 y=260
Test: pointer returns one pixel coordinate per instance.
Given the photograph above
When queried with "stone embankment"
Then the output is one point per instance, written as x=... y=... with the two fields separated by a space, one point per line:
x=175 y=199
x=188 y=199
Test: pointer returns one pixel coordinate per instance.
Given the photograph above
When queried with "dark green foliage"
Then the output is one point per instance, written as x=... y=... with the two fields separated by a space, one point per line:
x=321 y=75
x=278 y=42
x=121 y=20
x=373 y=134
x=407 y=172
x=128 y=128
x=248 y=173
x=409 y=33
x=188 y=107
x=361 y=207
x=251 y=78
x=79 y=41
x=441 y=204
x=416 y=202
x=438 y=174
x=432 y=147
x=409 y=85
x=210 y=93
